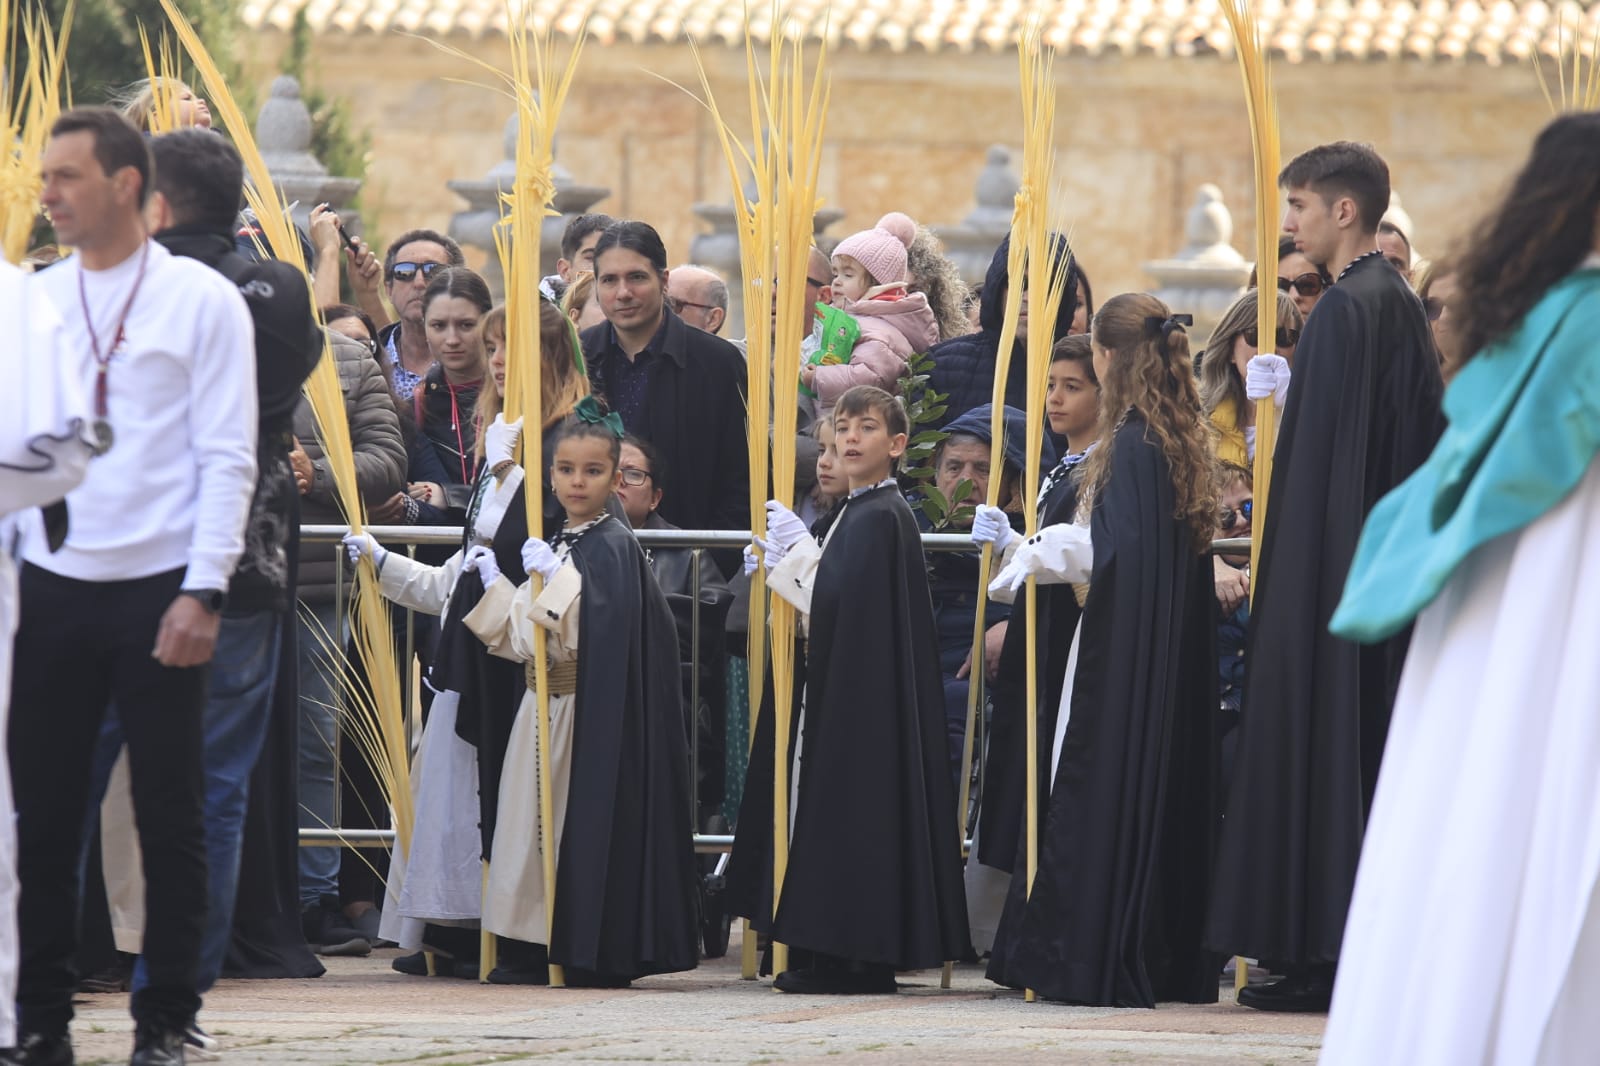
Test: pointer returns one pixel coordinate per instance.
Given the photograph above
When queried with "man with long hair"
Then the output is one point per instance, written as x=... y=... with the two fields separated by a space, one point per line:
x=1361 y=413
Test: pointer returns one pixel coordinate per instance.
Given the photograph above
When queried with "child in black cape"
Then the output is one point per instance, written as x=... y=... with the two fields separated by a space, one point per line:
x=1116 y=909
x=1072 y=406
x=626 y=900
x=873 y=882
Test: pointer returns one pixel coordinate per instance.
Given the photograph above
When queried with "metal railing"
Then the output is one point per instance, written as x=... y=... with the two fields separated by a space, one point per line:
x=698 y=541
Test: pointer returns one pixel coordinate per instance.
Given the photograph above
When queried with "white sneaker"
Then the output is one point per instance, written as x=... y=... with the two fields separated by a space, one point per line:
x=201 y=1046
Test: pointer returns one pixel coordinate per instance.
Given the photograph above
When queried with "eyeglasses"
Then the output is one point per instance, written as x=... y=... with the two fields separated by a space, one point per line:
x=1286 y=337
x=1308 y=284
x=678 y=305
x=1230 y=517
x=1434 y=308
x=406 y=273
x=814 y=283
x=632 y=475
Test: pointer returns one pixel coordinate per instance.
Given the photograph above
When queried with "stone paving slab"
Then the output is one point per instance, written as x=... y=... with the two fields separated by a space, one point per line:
x=362 y=1012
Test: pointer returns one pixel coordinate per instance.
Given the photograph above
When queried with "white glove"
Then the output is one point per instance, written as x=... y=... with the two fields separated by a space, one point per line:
x=784 y=528
x=771 y=553
x=1011 y=577
x=482 y=560
x=751 y=559
x=357 y=545
x=1267 y=375
x=539 y=558
x=500 y=441
x=991 y=526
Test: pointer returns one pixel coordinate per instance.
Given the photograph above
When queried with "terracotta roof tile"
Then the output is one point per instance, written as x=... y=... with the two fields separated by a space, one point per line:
x=1493 y=31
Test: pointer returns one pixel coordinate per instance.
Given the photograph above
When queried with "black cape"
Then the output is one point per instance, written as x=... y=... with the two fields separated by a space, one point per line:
x=627 y=892
x=874 y=871
x=1125 y=846
x=1362 y=414
x=1005 y=784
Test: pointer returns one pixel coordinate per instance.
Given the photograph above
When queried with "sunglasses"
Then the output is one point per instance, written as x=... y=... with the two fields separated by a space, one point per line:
x=1286 y=337
x=1434 y=308
x=1231 y=518
x=632 y=475
x=406 y=273
x=1309 y=284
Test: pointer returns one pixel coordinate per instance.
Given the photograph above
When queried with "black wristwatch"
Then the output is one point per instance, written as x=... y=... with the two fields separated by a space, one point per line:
x=212 y=599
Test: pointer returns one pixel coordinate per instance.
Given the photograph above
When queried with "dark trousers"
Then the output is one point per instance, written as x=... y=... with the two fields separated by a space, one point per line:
x=80 y=647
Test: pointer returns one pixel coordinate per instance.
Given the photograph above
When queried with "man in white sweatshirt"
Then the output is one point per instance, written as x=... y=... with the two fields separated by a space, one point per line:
x=127 y=610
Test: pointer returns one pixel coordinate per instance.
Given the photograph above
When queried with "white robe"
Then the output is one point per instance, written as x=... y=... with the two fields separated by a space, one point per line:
x=506 y=619
x=44 y=453
x=1474 y=932
x=439 y=878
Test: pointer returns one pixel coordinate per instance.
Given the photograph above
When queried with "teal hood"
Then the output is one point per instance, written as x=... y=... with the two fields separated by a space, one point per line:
x=1524 y=424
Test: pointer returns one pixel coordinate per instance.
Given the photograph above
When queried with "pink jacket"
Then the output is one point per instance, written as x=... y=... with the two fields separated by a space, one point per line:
x=891 y=332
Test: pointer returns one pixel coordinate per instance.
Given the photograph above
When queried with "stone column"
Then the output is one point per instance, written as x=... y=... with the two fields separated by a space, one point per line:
x=1208 y=274
x=283 y=133
x=971 y=243
x=719 y=251
x=475 y=226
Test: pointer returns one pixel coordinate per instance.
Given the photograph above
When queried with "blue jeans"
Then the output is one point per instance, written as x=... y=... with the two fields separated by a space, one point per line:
x=244 y=669
x=319 y=733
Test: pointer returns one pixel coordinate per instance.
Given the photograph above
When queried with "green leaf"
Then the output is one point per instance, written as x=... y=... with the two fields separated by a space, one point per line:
x=963 y=490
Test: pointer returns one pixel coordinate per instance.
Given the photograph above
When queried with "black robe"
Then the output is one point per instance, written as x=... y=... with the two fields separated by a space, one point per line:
x=1362 y=414
x=627 y=888
x=874 y=872
x=1125 y=846
x=1005 y=783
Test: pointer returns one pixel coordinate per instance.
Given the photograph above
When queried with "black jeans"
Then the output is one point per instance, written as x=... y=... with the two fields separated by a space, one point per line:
x=80 y=647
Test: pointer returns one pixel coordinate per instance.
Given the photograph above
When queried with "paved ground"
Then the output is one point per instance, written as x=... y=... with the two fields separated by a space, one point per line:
x=362 y=1012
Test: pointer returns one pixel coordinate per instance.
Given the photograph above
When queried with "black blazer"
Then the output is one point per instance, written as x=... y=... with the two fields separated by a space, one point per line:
x=694 y=417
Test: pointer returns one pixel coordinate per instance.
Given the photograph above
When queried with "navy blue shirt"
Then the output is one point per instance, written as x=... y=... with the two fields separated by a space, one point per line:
x=626 y=382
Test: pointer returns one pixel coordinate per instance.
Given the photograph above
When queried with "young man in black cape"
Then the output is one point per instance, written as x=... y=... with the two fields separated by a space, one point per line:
x=873 y=883
x=1361 y=415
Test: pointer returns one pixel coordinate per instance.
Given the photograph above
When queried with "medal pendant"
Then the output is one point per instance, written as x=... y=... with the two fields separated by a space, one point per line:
x=103 y=437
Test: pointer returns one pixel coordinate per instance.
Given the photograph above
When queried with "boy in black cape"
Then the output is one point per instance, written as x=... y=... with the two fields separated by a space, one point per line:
x=873 y=883
x=626 y=901
x=1362 y=414
x=1116 y=909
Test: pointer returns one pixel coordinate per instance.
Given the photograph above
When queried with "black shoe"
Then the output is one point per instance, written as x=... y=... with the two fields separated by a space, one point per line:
x=157 y=1047
x=39 y=1049
x=858 y=979
x=329 y=933
x=1299 y=994
x=416 y=965
x=519 y=975
x=114 y=978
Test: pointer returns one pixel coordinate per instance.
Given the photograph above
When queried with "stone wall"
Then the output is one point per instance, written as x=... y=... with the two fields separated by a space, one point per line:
x=910 y=131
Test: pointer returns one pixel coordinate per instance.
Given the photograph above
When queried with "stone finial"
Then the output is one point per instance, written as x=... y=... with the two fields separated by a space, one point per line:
x=475 y=226
x=1207 y=273
x=971 y=243
x=997 y=186
x=283 y=132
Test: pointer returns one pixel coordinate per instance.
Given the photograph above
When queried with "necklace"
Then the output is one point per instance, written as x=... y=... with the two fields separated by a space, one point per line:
x=1352 y=264
x=103 y=436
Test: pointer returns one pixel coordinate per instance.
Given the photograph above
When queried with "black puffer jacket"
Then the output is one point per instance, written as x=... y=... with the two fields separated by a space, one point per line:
x=963 y=367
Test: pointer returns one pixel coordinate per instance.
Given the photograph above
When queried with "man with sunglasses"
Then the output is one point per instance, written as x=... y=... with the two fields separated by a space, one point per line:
x=1360 y=414
x=411 y=262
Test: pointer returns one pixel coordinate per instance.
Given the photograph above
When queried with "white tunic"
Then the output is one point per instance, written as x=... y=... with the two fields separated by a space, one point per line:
x=1474 y=931
x=440 y=878
x=44 y=453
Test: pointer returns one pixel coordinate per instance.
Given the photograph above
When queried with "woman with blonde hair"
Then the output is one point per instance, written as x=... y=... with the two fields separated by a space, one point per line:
x=143 y=101
x=1225 y=366
x=1115 y=915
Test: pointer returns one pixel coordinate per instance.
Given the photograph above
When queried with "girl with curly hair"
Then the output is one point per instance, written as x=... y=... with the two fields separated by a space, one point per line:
x=1125 y=841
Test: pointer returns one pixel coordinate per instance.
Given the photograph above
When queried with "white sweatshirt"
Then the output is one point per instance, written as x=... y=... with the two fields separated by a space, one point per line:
x=174 y=490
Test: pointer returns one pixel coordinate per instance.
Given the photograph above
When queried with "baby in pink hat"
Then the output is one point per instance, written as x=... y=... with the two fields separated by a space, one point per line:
x=876 y=324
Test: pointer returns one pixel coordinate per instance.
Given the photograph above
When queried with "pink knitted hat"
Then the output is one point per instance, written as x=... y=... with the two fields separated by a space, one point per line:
x=882 y=249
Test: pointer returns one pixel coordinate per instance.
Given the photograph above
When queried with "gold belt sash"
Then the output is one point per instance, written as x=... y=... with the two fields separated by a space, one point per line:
x=561 y=679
